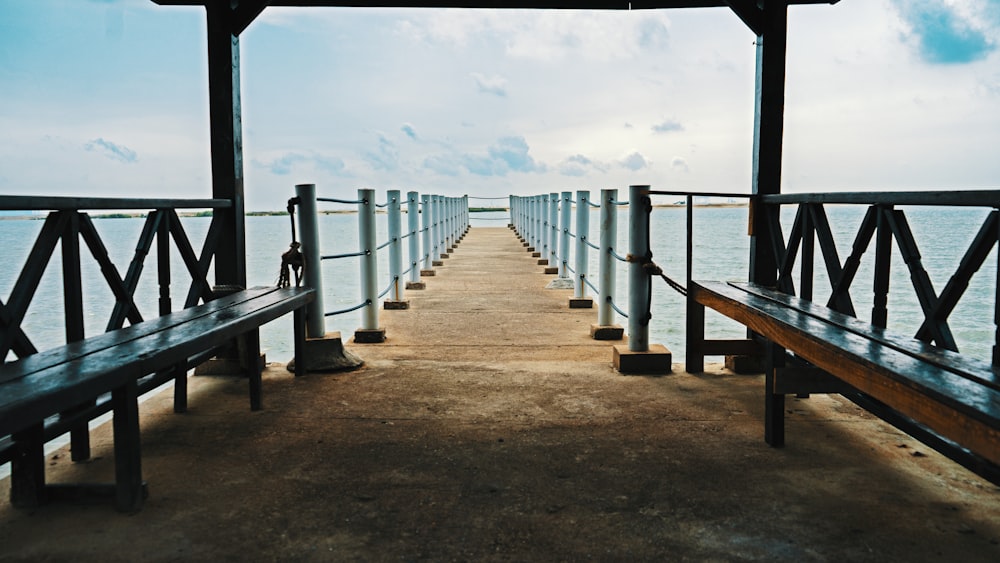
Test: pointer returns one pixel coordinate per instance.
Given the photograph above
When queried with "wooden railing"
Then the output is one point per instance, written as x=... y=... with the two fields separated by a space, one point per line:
x=66 y=224
x=884 y=224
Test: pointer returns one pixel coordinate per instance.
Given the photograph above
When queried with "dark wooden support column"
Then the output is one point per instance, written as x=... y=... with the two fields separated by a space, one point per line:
x=769 y=115
x=226 y=140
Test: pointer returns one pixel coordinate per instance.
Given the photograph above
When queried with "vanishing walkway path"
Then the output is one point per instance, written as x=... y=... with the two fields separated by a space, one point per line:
x=491 y=427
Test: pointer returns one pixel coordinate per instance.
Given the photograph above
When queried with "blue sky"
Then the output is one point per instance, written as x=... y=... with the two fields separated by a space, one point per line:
x=110 y=98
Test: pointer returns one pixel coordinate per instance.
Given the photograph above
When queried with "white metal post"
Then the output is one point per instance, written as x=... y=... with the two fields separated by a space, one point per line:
x=639 y=282
x=395 y=245
x=606 y=266
x=553 y=229
x=425 y=220
x=413 y=225
x=564 y=218
x=313 y=275
x=369 y=259
x=582 y=236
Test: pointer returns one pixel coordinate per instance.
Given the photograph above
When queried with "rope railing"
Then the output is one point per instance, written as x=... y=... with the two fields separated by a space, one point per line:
x=348 y=310
x=340 y=256
x=344 y=201
x=444 y=220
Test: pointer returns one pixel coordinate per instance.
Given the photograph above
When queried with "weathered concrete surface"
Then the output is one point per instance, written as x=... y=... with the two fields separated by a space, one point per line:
x=490 y=426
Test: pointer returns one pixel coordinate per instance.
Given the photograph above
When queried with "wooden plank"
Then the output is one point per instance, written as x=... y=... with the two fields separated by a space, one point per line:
x=964 y=198
x=803 y=380
x=42 y=393
x=76 y=350
x=56 y=203
x=733 y=347
x=979 y=371
x=951 y=405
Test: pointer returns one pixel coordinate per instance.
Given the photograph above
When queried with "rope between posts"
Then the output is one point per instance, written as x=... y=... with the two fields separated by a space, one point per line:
x=591 y=286
x=612 y=252
x=348 y=255
x=334 y=200
x=388 y=288
x=385 y=244
x=591 y=245
x=615 y=307
x=348 y=310
x=592 y=204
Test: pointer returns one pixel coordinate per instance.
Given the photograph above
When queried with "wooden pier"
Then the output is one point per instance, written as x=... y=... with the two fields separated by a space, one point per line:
x=490 y=426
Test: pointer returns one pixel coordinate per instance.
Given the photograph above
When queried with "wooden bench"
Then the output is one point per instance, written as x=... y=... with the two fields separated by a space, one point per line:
x=949 y=401
x=37 y=391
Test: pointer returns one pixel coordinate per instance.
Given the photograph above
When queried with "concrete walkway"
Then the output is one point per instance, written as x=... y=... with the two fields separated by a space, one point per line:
x=491 y=427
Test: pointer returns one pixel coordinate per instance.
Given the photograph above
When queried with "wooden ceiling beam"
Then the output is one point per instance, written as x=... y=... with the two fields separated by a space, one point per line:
x=497 y=4
x=750 y=13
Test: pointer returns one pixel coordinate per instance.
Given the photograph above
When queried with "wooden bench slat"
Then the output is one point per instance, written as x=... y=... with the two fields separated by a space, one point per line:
x=971 y=368
x=62 y=354
x=41 y=393
x=955 y=407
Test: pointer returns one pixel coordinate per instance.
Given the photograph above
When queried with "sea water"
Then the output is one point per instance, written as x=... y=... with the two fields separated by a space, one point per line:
x=720 y=250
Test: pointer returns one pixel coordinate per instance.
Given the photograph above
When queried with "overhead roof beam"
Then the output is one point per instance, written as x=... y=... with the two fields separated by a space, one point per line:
x=245 y=12
x=750 y=13
x=497 y=4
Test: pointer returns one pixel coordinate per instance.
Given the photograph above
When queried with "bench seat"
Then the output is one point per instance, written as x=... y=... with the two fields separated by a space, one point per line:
x=55 y=381
x=955 y=397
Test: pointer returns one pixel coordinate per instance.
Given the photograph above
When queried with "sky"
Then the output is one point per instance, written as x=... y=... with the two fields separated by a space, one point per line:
x=110 y=98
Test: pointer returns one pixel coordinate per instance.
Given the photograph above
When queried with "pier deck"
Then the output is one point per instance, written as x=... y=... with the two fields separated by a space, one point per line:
x=490 y=426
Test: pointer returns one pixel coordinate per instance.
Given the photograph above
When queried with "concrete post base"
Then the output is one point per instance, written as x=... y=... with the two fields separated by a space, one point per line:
x=445 y=256
x=390 y=305
x=451 y=250
x=607 y=332
x=416 y=285
x=427 y=273
x=529 y=248
x=655 y=361
x=536 y=255
x=327 y=355
x=225 y=366
x=551 y=269
x=581 y=303
x=437 y=263
x=543 y=261
x=369 y=336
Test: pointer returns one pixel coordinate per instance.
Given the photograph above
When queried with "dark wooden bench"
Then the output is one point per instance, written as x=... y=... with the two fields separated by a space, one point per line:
x=110 y=371
x=949 y=401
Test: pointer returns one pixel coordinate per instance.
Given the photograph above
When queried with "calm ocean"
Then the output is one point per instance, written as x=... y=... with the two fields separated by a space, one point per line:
x=720 y=250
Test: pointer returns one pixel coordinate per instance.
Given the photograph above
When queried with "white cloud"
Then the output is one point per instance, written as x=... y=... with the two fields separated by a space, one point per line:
x=495 y=85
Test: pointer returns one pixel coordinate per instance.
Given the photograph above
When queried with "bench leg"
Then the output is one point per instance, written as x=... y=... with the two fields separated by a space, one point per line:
x=249 y=345
x=180 y=388
x=27 y=476
x=299 y=322
x=694 y=350
x=129 y=489
x=79 y=435
x=774 y=403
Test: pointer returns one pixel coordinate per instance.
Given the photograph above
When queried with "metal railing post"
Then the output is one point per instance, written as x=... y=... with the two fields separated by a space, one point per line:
x=369 y=258
x=395 y=245
x=436 y=226
x=313 y=275
x=413 y=225
x=606 y=265
x=582 y=236
x=425 y=220
x=538 y=232
x=565 y=215
x=639 y=282
x=553 y=229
